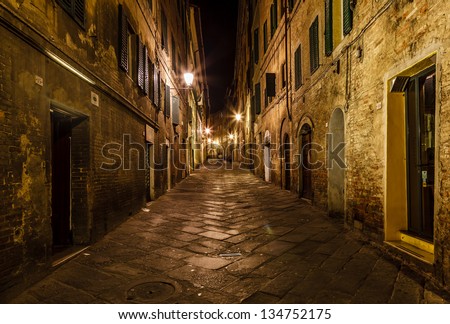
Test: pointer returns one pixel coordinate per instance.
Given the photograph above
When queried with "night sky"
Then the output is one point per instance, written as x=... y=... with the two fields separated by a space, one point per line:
x=219 y=20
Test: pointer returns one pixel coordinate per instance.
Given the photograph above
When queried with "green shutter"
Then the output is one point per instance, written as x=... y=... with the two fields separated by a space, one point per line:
x=328 y=27
x=140 y=63
x=123 y=40
x=314 y=45
x=348 y=17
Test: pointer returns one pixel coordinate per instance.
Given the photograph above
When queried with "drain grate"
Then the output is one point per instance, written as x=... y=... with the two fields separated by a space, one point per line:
x=151 y=291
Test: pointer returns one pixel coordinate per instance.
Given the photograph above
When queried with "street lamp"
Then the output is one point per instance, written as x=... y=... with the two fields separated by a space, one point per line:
x=238 y=117
x=208 y=131
x=231 y=136
x=189 y=78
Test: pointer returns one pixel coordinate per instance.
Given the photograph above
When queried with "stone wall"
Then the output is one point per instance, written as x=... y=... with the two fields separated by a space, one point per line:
x=37 y=38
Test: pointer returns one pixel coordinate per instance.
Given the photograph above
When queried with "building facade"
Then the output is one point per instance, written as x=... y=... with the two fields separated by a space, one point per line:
x=95 y=119
x=347 y=103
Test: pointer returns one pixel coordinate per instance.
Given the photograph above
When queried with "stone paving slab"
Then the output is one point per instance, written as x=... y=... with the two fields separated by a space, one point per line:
x=288 y=252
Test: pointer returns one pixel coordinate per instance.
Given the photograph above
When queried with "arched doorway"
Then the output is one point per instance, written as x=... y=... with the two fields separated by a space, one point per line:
x=336 y=171
x=305 y=178
x=267 y=163
x=287 y=162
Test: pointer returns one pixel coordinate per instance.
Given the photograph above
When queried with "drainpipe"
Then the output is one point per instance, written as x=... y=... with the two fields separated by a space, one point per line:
x=288 y=70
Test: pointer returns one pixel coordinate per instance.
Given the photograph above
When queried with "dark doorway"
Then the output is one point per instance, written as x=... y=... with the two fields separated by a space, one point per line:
x=287 y=162
x=61 y=179
x=420 y=114
x=306 y=168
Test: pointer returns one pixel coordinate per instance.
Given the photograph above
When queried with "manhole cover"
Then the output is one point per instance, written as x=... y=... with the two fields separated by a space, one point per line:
x=151 y=291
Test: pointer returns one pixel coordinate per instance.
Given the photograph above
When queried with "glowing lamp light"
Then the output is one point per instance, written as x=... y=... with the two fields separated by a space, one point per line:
x=231 y=136
x=188 y=78
x=238 y=117
x=208 y=131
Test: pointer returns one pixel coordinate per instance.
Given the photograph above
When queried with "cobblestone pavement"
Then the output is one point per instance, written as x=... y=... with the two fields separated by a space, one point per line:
x=281 y=250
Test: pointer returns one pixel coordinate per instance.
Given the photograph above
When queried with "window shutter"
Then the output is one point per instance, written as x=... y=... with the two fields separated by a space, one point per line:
x=275 y=16
x=272 y=21
x=265 y=36
x=328 y=27
x=146 y=71
x=123 y=40
x=266 y=98
x=252 y=108
x=175 y=111
x=258 y=98
x=271 y=84
x=167 y=102
x=151 y=80
x=298 y=67
x=164 y=39
x=140 y=63
x=256 y=45
x=78 y=11
x=348 y=17
x=314 y=45
x=66 y=4
x=156 y=81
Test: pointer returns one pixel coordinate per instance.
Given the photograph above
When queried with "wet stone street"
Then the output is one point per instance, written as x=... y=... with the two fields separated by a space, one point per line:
x=226 y=236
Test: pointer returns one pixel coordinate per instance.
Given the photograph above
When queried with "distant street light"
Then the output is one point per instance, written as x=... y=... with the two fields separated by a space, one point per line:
x=238 y=117
x=231 y=136
x=208 y=131
x=189 y=79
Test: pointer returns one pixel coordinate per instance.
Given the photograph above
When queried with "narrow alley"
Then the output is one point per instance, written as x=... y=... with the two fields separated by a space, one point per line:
x=225 y=236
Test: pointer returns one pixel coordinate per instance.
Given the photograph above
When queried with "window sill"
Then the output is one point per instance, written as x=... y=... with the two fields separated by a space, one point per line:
x=413 y=251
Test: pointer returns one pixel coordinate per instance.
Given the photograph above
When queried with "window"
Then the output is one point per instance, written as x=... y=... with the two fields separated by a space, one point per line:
x=132 y=49
x=274 y=17
x=175 y=110
x=292 y=4
x=75 y=8
x=271 y=84
x=298 y=67
x=167 y=101
x=150 y=4
x=164 y=39
x=265 y=36
x=328 y=27
x=174 y=56
x=314 y=45
x=283 y=75
x=258 y=98
x=338 y=22
x=256 y=45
